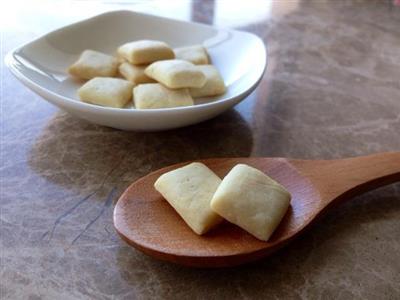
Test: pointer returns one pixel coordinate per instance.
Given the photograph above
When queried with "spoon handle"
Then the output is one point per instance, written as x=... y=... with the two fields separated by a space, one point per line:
x=345 y=178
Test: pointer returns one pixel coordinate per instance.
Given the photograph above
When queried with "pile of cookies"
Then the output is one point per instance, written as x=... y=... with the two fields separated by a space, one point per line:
x=151 y=75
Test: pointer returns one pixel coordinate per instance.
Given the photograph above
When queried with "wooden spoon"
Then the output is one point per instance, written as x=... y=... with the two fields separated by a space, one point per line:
x=146 y=221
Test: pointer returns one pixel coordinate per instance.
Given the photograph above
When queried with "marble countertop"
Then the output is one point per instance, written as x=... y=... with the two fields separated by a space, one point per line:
x=331 y=90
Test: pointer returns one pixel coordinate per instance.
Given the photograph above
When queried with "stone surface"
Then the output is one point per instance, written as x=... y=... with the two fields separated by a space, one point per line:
x=331 y=90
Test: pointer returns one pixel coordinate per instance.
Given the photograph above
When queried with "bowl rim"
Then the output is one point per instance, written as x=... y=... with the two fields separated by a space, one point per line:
x=60 y=99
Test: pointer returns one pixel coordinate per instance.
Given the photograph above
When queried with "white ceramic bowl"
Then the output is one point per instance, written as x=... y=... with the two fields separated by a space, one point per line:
x=41 y=65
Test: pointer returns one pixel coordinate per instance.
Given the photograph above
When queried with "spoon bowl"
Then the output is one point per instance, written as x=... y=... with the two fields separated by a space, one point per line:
x=146 y=221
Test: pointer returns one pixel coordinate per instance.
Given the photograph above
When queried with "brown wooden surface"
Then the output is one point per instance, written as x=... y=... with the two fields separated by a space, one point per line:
x=146 y=221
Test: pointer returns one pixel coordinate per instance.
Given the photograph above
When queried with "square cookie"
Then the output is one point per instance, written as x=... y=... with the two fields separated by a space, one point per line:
x=195 y=54
x=134 y=73
x=145 y=51
x=105 y=91
x=94 y=64
x=155 y=95
x=214 y=85
x=189 y=191
x=252 y=200
x=176 y=74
